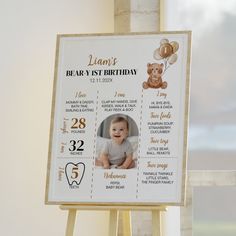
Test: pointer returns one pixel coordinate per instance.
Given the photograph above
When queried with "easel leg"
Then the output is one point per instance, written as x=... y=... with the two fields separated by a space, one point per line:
x=156 y=223
x=70 y=222
x=126 y=221
x=113 y=226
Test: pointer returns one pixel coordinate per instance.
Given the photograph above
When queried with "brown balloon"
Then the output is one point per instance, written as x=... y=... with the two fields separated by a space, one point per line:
x=166 y=50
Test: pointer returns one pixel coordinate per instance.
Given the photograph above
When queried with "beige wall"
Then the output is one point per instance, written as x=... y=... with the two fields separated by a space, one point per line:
x=27 y=48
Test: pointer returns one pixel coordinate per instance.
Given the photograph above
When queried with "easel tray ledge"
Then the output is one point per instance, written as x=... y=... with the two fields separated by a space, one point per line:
x=114 y=207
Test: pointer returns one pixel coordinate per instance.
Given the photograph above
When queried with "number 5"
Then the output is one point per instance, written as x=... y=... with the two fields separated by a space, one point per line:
x=75 y=172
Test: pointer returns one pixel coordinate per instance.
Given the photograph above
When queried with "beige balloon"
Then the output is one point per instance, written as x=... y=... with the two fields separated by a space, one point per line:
x=175 y=46
x=156 y=54
x=163 y=41
x=172 y=59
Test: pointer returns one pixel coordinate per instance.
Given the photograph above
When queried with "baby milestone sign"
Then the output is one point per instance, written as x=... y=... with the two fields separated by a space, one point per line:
x=119 y=119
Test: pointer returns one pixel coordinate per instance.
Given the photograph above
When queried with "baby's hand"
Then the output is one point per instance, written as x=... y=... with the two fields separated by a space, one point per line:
x=121 y=167
x=106 y=166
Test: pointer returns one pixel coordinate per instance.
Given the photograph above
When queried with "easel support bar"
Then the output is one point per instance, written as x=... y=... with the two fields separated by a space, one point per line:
x=71 y=222
x=113 y=229
x=156 y=223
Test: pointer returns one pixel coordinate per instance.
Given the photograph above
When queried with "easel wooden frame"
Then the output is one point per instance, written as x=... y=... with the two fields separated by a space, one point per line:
x=114 y=214
x=115 y=210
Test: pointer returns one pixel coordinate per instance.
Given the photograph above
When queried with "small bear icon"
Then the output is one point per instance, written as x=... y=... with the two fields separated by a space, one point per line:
x=155 y=72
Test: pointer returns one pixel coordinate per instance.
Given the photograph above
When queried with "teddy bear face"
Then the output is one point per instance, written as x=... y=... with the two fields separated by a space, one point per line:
x=155 y=70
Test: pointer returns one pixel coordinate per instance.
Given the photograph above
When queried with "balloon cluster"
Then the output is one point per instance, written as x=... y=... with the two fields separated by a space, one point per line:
x=167 y=51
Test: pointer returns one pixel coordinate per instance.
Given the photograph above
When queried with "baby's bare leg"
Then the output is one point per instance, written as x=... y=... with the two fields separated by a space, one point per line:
x=128 y=163
x=132 y=165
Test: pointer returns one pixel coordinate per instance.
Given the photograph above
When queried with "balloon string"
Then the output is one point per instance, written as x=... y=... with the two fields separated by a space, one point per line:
x=166 y=66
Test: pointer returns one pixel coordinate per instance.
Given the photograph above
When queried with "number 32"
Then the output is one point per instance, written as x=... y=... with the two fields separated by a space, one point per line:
x=76 y=145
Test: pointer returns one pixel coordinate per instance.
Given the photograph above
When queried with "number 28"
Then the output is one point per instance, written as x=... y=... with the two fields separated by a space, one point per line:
x=78 y=123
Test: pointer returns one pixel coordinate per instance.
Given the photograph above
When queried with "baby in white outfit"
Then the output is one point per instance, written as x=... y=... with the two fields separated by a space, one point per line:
x=118 y=150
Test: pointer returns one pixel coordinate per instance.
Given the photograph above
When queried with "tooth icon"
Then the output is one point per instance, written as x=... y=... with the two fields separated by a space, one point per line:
x=74 y=172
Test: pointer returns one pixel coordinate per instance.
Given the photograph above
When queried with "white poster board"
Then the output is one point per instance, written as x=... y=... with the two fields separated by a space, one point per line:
x=119 y=119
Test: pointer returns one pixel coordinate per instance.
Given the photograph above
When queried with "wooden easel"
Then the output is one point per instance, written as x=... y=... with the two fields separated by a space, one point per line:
x=122 y=27
x=114 y=214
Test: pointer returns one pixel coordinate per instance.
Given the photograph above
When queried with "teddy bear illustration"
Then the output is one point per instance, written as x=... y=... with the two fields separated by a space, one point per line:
x=155 y=72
